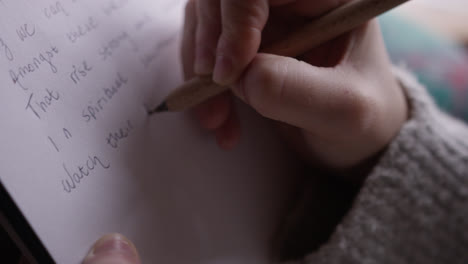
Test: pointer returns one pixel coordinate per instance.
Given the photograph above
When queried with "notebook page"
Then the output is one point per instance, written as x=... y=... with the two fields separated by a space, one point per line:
x=81 y=158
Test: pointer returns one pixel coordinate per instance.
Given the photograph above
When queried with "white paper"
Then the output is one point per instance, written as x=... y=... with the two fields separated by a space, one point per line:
x=161 y=180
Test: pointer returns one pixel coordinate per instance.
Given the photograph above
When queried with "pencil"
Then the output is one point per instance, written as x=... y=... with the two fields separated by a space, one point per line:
x=318 y=31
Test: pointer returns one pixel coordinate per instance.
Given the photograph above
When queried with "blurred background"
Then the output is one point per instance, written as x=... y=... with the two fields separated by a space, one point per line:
x=429 y=37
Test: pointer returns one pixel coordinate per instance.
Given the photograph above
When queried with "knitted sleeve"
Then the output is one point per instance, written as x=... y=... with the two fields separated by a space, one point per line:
x=413 y=207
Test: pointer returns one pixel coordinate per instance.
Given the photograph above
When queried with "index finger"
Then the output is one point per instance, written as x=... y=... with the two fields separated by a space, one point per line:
x=242 y=25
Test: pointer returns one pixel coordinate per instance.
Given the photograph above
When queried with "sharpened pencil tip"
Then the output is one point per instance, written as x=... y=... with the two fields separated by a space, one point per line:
x=161 y=108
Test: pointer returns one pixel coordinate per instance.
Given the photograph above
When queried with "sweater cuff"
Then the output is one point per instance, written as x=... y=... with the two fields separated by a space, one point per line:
x=412 y=207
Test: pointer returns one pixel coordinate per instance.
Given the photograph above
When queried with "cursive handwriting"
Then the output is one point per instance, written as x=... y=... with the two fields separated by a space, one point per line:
x=54 y=10
x=37 y=62
x=148 y=58
x=82 y=30
x=43 y=104
x=107 y=50
x=80 y=71
x=113 y=139
x=83 y=170
x=114 y=5
x=26 y=31
x=92 y=109
x=6 y=50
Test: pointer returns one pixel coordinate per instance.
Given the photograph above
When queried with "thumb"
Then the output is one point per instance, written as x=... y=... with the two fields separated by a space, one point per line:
x=302 y=95
x=113 y=249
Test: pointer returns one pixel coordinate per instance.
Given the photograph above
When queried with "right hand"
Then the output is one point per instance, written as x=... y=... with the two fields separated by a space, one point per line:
x=340 y=103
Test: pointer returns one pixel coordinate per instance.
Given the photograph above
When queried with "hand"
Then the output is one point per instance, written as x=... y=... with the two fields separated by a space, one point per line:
x=113 y=249
x=339 y=103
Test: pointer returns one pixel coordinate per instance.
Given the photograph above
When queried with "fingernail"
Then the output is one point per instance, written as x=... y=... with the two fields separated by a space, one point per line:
x=204 y=60
x=223 y=70
x=113 y=244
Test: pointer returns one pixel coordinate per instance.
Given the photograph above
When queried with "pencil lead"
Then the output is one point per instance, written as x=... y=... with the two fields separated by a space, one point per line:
x=161 y=108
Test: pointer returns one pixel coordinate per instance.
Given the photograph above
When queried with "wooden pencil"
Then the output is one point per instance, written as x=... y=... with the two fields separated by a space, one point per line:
x=318 y=31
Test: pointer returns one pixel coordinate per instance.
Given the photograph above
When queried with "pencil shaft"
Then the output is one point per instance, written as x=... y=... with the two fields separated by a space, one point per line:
x=193 y=92
x=316 y=32
x=331 y=25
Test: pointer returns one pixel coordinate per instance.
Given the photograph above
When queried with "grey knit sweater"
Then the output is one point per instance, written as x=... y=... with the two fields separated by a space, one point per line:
x=412 y=207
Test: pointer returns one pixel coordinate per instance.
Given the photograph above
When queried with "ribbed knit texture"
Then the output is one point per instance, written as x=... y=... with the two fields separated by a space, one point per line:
x=413 y=207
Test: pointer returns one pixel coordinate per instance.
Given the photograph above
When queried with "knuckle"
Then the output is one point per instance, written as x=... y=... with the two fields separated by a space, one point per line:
x=357 y=110
x=246 y=16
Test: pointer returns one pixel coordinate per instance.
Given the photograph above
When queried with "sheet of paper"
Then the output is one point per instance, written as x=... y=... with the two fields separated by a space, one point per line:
x=81 y=158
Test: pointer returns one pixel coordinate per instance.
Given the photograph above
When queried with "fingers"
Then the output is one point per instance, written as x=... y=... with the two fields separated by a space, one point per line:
x=200 y=40
x=242 y=25
x=214 y=112
x=315 y=99
x=227 y=36
x=228 y=134
x=113 y=249
x=207 y=34
x=188 y=39
x=218 y=115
